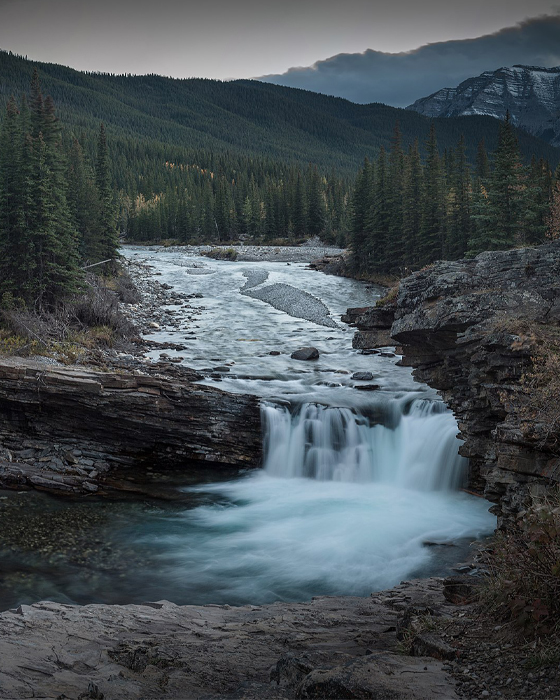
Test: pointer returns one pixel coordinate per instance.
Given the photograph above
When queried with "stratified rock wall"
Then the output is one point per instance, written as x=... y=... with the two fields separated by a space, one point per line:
x=115 y=419
x=463 y=327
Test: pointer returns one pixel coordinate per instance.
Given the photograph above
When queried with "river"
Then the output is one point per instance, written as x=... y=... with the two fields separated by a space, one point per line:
x=359 y=490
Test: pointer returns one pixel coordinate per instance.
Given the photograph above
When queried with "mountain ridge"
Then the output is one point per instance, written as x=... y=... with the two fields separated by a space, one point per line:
x=530 y=94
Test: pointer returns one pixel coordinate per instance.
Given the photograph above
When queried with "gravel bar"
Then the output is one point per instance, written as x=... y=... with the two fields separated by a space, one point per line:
x=294 y=302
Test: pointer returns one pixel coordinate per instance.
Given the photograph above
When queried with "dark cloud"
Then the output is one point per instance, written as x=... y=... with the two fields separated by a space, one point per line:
x=400 y=78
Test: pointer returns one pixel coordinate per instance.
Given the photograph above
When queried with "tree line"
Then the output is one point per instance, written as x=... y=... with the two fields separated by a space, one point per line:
x=239 y=200
x=407 y=212
x=57 y=208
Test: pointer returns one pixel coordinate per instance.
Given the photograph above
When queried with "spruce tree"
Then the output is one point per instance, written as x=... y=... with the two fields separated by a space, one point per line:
x=108 y=240
x=360 y=206
x=458 y=226
x=299 y=209
x=316 y=213
x=431 y=224
x=393 y=250
x=412 y=203
x=500 y=211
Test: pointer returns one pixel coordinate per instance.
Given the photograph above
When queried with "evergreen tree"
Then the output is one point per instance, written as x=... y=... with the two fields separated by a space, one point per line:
x=299 y=209
x=412 y=204
x=360 y=207
x=16 y=261
x=431 y=223
x=393 y=251
x=499 y=216
x=108 y=239
x=83 y=199
x=316 y=213
x=458 y=204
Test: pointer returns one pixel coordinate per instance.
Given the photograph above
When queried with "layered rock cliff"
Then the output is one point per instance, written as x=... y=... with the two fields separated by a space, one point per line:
x=484 y=332
x=69 y=429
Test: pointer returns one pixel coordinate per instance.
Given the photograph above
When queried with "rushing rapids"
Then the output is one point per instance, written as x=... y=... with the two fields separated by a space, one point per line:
x=355 y=486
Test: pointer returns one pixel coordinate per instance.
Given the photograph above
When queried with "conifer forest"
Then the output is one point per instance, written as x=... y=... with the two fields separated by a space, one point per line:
x=67 y=193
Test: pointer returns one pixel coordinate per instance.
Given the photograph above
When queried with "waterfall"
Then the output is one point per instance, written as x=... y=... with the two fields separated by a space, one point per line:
x=414 y=446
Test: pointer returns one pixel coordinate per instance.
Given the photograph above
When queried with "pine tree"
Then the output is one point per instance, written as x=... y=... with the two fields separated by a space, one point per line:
x=377 y=220
x=361 y=204
x=299 y=209
x=412 y=203
x=108 y=238
x=84 y=202
x=316 y=213
x=16 y=261
x=431 y=224
x=459 y=225
x=500 y=211
x=537 y=196
x=393 y=250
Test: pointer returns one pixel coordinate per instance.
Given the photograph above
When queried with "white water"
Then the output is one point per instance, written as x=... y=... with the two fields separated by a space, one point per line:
x=354 y=482
x=417 y=450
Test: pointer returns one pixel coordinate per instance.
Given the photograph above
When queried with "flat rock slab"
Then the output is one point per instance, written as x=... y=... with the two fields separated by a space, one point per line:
x=342 y=646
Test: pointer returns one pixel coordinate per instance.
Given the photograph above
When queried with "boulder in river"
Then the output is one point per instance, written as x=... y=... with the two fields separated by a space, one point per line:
x=305 y=354
x=362 y=376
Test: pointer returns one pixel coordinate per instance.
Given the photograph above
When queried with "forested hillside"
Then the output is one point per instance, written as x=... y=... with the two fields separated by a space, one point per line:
x=173 y=119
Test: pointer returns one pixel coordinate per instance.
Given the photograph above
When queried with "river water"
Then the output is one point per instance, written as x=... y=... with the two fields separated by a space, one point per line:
x=359 y=489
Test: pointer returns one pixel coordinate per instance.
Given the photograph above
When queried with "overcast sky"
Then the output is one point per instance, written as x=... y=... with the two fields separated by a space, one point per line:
x=239 y=38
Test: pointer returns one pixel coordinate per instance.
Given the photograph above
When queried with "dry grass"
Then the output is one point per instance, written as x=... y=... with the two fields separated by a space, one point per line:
x=84 y=322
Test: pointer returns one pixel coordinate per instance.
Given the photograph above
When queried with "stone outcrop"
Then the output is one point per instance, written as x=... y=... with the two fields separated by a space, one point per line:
x=70 y=429
x=374 y=324
x=471 y=329
x=330 y=647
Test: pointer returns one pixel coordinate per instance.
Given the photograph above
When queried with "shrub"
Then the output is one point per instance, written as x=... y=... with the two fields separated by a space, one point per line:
x=221 y=254
x=524 y=583
x=390 y=298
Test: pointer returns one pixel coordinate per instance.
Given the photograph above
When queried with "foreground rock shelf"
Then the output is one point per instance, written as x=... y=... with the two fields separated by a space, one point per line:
x=327 y=648
x=69 y=429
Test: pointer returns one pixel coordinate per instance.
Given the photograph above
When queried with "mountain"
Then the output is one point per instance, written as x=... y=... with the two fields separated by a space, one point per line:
x=175 y=120
x=530 y=94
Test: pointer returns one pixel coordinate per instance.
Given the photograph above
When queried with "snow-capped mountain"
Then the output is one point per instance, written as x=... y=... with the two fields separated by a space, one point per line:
x=530 y=94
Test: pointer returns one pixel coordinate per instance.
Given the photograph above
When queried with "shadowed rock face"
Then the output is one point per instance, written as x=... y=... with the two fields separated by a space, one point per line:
x=463 y=327
x=115 y=419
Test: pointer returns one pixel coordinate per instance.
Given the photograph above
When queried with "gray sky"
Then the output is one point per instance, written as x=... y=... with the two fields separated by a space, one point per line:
x=239 y=38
